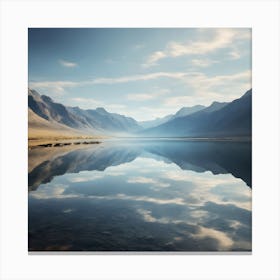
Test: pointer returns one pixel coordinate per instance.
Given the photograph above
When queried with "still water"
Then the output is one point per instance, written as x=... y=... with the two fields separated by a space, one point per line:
x=157 y=195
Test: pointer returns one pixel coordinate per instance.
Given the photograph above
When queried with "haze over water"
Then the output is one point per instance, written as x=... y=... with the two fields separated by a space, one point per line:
x=141 y=195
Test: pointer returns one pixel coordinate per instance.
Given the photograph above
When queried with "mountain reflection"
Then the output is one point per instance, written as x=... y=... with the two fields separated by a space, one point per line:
x=141 y=196
x=217 y=157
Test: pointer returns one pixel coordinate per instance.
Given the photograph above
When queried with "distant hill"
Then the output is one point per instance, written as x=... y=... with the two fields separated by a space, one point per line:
x=155 y=122
x=102 y=120
x=56 y=117
x=217 y=120
x=184 y=111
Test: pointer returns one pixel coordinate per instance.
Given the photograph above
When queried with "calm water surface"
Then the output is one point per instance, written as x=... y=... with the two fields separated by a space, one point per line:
x=159 y=195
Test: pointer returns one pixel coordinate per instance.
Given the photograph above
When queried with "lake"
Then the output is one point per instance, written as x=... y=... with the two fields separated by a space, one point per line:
x=141 y=195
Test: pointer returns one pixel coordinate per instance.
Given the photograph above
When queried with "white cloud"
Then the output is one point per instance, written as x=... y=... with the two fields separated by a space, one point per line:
x=225 y=242
x=219 y=39
x=89 y=103
x=86 y=102
x=184 y=76
x=59 y=86
x=49 y=190
x=67 y=64
x=234 y=54
x=207 y=89
x=55 y=86
x=146 y=180
x=147 y=96
x=120 y=196
x=203 y=62
x=153 y=58
x=140 y=96
x=140 y=77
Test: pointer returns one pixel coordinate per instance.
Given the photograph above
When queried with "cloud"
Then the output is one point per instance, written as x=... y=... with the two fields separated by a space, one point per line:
x=146 y=180
x=196 y=87
x=56 y=86
x=219 y=39
x=147 y=96
x=86 y=101
x=67 y=64
x=206 y=89
x=153 y=58
x=140 y=96
x=225 y=242
x=121 y=196
x=234 y=54
x=89 y=103
x=59 y=86
x=140 y=77
x=203 y=62
x=52 y=191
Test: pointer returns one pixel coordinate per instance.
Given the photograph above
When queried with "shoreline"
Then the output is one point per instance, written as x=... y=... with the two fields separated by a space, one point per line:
x=37 y=142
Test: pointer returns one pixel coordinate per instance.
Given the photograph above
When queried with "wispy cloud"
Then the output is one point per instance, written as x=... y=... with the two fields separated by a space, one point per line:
x=154 y=58
x=90 y=103
x=86 y=102
x=68 y=64
x=147 y=96
x=234 y=54
x=142 y=77
x=55 y=86
x=219 y=39
x=146 y=180
x=209 y=88
x=204 y=88
x=203 y=62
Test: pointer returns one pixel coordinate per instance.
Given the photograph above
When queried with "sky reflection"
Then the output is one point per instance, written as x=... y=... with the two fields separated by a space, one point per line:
x=145 y=204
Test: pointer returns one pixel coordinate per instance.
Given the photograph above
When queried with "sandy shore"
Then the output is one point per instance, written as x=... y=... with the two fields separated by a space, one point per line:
x=62 y=141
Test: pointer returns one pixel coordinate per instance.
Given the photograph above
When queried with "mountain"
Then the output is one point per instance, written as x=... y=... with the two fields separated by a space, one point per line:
x=182 y=112
x=217 y=120
x=46 y=108
x=39 y=127
x=185 y=111
x=155 y=122
x=105 y=121
x=54 y=115
x=215 y=106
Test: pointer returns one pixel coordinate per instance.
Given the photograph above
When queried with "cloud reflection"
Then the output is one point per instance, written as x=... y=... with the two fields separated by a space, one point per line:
x=163 y=208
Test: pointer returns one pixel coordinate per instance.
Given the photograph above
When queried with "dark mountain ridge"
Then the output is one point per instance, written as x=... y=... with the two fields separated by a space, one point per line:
x=217 y=120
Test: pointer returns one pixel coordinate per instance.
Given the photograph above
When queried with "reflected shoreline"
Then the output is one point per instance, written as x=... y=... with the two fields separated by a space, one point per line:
x=199 y=156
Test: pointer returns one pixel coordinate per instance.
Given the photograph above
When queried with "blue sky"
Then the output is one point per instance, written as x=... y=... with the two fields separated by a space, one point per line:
x=143 y=73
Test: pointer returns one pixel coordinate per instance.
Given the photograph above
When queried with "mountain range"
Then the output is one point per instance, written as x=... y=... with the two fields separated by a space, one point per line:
x=217 y=120
x=46 y=114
